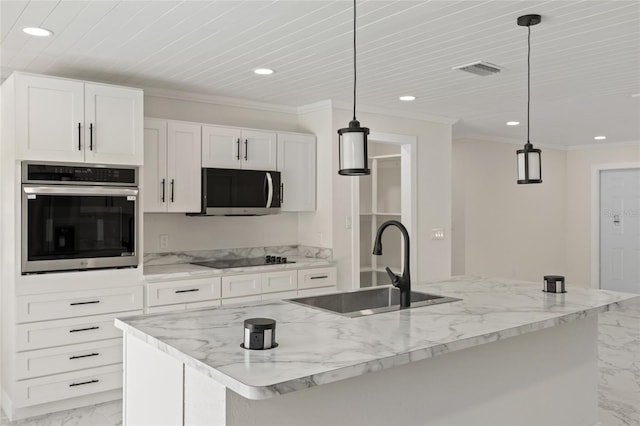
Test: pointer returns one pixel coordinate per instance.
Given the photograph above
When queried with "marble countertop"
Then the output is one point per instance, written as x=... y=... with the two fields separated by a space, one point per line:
x=317 y=347
x=187 y=270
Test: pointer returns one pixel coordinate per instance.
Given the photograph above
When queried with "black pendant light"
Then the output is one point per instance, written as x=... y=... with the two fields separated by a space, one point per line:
x=529 y=160
x=352 y=141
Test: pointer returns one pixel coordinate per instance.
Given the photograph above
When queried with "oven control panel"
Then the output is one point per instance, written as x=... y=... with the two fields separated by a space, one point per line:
x=61 y=173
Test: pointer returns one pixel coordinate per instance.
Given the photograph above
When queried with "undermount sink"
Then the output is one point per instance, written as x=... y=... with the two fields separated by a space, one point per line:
x=368 y=302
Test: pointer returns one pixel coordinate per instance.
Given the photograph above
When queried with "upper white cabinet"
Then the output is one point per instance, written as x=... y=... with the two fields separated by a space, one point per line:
x=172 y=177
x=68 y=120
x=297 y=163
x=232 y=148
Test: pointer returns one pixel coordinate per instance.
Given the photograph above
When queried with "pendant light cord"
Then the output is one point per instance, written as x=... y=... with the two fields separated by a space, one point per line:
x=528 y=80
x=354 y=60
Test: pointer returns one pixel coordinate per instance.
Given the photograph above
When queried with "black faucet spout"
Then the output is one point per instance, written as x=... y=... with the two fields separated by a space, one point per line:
x=403 y=283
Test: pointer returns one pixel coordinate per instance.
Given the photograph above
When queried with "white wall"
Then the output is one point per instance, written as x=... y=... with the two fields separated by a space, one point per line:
x=502 y=228
x=526 y=231
x=204 y=233
x=580 y=164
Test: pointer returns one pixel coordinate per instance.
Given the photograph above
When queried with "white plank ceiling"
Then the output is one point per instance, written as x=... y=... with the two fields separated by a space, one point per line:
x=585 y=56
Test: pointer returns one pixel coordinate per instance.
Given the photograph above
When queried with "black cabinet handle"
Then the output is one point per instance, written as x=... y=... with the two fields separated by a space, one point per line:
x=91 y=137
x=246 y=149
x=84 y=303
x=75 y=330
x=79 y=137
x=238 y=149
x=173 y=181
x=84 y=356
x=84 y=383
x=281 y=193
x=163 y=187
x=319 y=277
x=187 y=291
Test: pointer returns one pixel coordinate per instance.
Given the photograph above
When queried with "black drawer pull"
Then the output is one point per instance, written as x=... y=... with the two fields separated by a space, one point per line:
x=187 y=291
x=79 y=137
x=84 y=356
x=84 y=303
x=75 y=330
x=84 y=383
x=319 y=277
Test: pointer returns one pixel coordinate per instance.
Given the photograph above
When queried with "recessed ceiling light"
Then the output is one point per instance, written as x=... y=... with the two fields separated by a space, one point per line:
x=407 y=98
x=600 y=138
x=263 y=71
x=513 y=123
x=37 y=31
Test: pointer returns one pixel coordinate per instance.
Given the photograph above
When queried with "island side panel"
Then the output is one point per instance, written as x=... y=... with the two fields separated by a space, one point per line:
x=547 y=377
x=204 y=400
x=153 y=383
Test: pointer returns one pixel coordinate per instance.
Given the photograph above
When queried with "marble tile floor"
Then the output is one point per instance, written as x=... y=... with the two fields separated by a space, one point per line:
x=619 y=390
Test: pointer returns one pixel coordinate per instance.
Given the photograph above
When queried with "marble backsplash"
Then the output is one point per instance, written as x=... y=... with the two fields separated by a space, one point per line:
x=170 y=258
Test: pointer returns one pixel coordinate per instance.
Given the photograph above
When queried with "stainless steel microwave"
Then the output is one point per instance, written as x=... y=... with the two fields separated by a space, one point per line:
x=77 y=217
x=231 y=192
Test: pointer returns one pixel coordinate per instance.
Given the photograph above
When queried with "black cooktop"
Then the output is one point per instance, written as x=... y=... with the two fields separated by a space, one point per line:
x=240 y=263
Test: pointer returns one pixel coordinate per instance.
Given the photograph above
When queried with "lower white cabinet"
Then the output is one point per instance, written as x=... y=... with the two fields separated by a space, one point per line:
x=178 y=295
x=68 y=385
x=67 y=358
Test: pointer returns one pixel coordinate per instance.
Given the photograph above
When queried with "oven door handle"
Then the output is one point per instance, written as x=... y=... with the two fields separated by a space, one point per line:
x=84 y=190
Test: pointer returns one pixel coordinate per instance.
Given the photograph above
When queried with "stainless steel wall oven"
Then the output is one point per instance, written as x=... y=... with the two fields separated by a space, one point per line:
x=77 y=217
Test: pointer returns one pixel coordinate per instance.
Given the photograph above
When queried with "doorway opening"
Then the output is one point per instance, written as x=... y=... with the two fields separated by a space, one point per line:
x=388 y=193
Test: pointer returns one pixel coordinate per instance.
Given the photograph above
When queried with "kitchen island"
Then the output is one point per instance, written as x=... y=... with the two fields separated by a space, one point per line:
x=505 y=354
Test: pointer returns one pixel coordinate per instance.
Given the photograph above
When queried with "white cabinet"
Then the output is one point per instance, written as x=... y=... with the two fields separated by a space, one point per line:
x=183 y=291
x=69 y=120
x=297 y=163
x=317 y=277
x=233 y=148
x=241 y=285
x=172 y=157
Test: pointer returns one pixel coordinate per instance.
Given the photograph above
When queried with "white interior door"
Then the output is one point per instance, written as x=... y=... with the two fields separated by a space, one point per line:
x=620 y=230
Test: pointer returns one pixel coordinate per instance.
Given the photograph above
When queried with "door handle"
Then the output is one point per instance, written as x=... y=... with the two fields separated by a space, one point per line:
x=163 y=189
x=91 y=137
x=246 y=150
x=173 y=181
x=238 y=149
x=79 y=137
x=269 y=189
x=83 y=356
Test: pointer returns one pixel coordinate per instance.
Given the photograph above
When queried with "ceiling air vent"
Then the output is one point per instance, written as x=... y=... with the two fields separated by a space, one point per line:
x=479 y=68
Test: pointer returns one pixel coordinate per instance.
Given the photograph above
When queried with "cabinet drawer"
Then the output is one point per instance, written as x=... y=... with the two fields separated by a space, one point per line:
x=205 y=304
x=241 y=285
x=78 y=303
x=68 y=385
x=279 y=281
x=64 y=359
x=68 y=331
x=194 y=290
x=317 y=277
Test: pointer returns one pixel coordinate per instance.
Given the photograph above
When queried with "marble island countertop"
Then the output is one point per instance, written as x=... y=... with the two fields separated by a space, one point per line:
x=188 y=270
x=317 y=347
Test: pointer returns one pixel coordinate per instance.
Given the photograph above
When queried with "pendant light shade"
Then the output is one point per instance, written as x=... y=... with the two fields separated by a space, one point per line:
x=352 y=140
x=529 y=158
x=352 y=145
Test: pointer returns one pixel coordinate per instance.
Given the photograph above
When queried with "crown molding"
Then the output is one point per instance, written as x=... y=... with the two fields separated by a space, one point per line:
x=217 y=100
x=594 y=145
x=400 y=114
x=316 y=106
x=488 y=138
x=603 y=145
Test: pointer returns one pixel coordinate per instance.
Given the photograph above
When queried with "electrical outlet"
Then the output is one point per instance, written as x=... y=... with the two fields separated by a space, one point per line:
x=347 y=222
x=437 y=234
x=164 y=241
